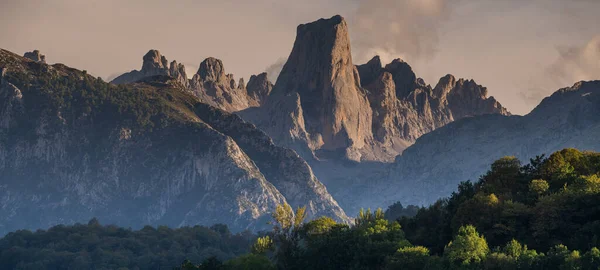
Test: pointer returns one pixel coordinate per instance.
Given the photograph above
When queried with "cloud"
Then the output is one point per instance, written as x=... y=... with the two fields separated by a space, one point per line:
x=580 y=63
x=407 y=28
x=274 y=69
x=573 y=64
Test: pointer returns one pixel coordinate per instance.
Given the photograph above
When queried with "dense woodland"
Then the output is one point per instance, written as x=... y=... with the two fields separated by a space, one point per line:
x=540 y=215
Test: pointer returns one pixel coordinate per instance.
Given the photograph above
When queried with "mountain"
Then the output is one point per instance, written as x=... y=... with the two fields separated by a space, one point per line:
x=73 y=147
x=405 y=108
x=325 y=107
x=351 y=121
x=210 y=83
x=462 y=150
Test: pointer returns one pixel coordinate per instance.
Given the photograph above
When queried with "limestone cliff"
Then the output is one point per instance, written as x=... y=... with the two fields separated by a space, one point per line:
x=320 y=89
x=136 y=154
x=405 y=108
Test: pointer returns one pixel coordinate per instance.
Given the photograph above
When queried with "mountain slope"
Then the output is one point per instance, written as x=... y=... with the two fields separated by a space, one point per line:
x=73 y=147
x=432 y=167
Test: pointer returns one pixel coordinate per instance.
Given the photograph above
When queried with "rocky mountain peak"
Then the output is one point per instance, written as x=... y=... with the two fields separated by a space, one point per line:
x=35 y=56
x=211 y=69
x=153 y=64
x=177 y=71
x=213 y=86
x=370 y=71
x=154 y=61
x=320 y=70
x=444 y=86
x=467 y=98
x=404 y=77
x=259 y=87
x=573 y=102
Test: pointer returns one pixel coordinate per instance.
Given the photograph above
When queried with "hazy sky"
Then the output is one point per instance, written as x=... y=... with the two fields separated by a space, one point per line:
x=522 y=50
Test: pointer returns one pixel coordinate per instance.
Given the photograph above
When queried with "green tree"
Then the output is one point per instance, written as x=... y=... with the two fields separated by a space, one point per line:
x=262 y=245
x=504 y=178
x=467 y=248
x=397 y=210
x=286 y=229
x=211 y=263
x=319 y=226
x=539 y=187
x=410 y=258
x=591 y=259
x=250 y=262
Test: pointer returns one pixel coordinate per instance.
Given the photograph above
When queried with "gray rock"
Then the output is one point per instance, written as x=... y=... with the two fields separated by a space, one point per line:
x=35 y=56
x=335 y=111
x=259 y=87
x=153 y=64
x=214 y=172
x=177 y=71
x=212 y=86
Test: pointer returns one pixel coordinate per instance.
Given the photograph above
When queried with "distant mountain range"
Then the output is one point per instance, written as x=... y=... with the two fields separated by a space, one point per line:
x=154 y=147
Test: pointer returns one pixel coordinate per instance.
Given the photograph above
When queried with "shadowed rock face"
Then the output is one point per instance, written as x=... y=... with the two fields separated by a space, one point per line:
x=258 y=88
x=176 y=162
x=35 y=56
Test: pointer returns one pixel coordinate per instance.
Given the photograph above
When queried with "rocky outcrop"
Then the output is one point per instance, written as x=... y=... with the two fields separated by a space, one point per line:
x=177 y=71
x=210 y=83
x=259 y=87
x=404 y=78
x=212 y=86
x=35 y=56
x=177 y=162
x=153 y=64
x=466 y=98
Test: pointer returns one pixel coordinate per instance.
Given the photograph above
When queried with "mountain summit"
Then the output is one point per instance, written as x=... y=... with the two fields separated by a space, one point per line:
x=210 y=83
x=325 y=107
x=317 y=97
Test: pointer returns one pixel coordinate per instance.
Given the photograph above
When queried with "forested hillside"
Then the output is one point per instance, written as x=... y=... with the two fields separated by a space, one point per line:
x=541 y=215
